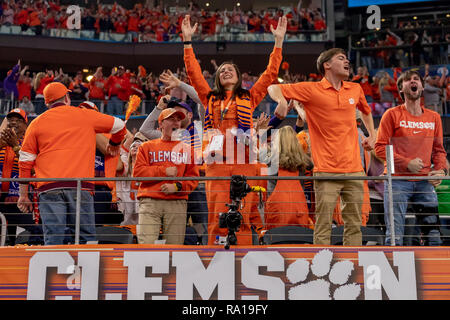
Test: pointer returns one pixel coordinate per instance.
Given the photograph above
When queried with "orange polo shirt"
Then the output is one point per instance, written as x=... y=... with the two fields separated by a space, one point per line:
x=331 y=118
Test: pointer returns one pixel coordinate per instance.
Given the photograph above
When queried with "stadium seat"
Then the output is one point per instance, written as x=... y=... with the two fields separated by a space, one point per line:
x=445 y=236
x=27 y=238
x=16 y=29
x=370 y=236
x=5 y=29
x=191 y=236
x=113 y=235
x=288 y=235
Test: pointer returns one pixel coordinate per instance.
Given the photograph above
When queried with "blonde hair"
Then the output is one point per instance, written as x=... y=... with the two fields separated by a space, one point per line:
x=37 y=80
x=291 y=155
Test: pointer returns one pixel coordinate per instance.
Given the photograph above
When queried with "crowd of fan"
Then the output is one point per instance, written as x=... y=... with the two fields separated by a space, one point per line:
x=154 y=23
x=26 y=87
x=108 y=88
x=412 y=44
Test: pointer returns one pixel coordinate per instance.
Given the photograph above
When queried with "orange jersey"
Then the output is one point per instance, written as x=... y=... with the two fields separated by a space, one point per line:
x=412 y=137
x=152 y=160
x=60 y=143
x=331 y=118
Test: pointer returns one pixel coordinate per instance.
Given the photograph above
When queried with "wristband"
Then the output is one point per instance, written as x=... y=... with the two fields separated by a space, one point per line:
x=178 y=185
x=187 y=42
x=115 y=144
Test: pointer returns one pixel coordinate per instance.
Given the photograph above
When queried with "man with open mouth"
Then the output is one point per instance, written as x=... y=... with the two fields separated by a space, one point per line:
x=415 y=133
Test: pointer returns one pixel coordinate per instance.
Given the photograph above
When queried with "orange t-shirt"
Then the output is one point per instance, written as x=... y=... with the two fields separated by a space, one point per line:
x=60 y=143
x=96 y=92
x=331 y=118
x=154 y=157
x=411 y=137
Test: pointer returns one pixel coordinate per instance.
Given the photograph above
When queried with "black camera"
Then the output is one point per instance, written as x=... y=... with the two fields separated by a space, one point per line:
x=233 y=218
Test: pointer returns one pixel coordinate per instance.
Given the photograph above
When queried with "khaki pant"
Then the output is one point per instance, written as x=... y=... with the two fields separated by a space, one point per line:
x=326 y=193
x=153 y=213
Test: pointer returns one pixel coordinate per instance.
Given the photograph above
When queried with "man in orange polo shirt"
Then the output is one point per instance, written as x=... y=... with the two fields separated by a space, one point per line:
x=330 y=107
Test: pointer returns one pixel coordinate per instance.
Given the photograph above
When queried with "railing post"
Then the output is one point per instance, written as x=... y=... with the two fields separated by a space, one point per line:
x=77 y=213
x=390 y=171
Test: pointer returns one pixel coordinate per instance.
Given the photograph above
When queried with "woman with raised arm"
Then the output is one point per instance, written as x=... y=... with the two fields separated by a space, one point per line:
x=228 y=119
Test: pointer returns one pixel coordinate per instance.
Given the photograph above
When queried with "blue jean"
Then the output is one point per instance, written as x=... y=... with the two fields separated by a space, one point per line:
x=58 y=207
x=420 y=193
x=197 y=209
x=114 y=106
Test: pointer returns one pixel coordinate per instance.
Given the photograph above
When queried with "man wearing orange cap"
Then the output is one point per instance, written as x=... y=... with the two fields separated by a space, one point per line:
x=164 y=201
x=11 y=138
x=60 y=143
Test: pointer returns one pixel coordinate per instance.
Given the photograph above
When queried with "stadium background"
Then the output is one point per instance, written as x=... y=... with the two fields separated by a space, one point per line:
x=345 y=21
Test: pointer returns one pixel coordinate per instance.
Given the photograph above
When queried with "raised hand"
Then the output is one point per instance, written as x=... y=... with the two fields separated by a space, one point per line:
x=169 y=80
x=187 y=29
x=280 y=31
x=262 y=122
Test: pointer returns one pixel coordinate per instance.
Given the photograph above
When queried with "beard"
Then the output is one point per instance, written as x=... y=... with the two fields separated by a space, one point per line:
x=412 y=95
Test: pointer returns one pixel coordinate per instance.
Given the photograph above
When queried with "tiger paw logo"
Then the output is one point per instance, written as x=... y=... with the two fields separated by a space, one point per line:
x=320 y=280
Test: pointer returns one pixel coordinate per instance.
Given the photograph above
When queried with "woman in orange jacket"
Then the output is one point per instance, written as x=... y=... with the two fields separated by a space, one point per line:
x=228 y=115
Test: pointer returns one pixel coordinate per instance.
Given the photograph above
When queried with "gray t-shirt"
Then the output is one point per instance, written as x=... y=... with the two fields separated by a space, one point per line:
x=431 y=95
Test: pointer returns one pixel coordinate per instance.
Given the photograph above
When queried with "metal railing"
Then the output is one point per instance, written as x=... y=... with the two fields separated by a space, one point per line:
x=388 y=178
x=230 y=33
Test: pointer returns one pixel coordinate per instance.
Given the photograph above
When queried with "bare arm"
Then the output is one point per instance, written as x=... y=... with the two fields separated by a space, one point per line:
x=276 y=94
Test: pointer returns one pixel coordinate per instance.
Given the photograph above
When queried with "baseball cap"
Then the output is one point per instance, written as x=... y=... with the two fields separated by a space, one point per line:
x=140 y=136
x=19 y=112
x=88 y=105
x=176 y=103
x=54 y=91
x=166 y=113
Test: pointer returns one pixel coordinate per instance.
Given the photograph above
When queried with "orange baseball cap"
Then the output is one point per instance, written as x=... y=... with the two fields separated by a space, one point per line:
x=54 y=91
x=19 y=112
x=166 y=113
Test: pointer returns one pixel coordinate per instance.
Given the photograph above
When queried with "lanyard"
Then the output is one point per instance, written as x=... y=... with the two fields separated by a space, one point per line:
x=223 y=111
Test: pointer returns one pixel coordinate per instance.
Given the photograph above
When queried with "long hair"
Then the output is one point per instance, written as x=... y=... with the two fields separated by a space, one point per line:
x=290 y=153
x=219 y=90
x=37 y=80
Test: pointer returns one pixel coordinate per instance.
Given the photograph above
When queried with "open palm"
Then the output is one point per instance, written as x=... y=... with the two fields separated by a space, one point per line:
x=280 y=31
x=187 y=29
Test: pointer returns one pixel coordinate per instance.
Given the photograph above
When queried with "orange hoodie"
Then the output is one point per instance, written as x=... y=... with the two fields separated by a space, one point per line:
x=60 y=143
x=154 y=157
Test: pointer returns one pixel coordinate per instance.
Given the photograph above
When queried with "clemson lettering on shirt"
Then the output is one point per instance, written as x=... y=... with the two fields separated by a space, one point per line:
x=169 y=156
x=417 y=125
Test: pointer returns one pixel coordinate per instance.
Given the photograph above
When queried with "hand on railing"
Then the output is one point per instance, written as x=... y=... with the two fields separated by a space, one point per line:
x=436 y=173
